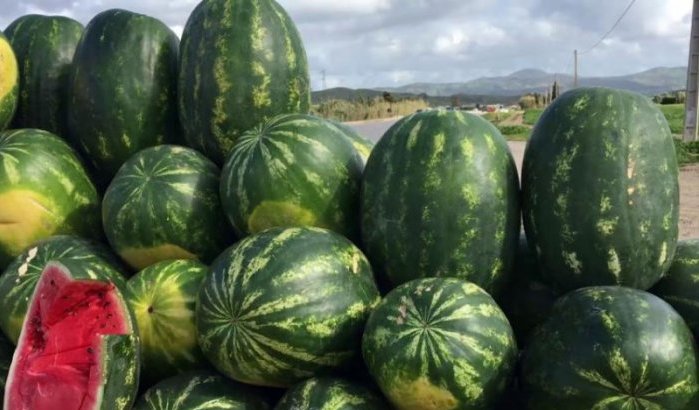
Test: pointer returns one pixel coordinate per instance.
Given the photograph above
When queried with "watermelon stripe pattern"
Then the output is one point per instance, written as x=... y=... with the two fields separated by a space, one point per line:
x=121 y=369
x=9 y=83
x=242 y=62
x=323 y=393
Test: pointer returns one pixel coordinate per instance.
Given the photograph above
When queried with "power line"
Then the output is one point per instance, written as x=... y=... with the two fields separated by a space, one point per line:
x=611 y=29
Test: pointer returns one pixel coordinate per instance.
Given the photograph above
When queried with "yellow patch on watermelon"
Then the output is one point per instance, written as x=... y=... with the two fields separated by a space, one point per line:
x=274 y=213
x=421 y=394
x=8 y=69
x=140 y=258
x=25 y=217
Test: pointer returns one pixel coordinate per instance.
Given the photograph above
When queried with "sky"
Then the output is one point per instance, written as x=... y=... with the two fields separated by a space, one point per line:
x=376 y=43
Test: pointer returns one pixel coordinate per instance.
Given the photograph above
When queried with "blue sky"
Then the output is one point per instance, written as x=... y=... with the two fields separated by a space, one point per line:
x=373 y=43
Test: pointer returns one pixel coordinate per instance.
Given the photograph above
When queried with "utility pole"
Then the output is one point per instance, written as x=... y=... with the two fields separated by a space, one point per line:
x=692 y=101
x=575 y=64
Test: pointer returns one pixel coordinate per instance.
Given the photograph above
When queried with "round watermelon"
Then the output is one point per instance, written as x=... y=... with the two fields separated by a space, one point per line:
x=285 y=305
x=680 y=288
x=9 y=83
x=438 y=187
x=611 y=348
x=325 y=393
x=241 y=62
x=439 y=343
x=122 y=95
x=164 y=204
x=600 y=190
x=44 y=46
x=44 y=191
x=162 y=298
x=293 y=170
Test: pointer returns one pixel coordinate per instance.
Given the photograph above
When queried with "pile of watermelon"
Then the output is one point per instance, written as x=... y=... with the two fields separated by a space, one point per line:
x=178 y=232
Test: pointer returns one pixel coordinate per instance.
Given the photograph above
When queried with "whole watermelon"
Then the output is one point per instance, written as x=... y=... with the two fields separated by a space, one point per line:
x=285 y=305
x=164 y=204
x=326 y=393
x=123 y=89
x=440 y=197
x=9 y=83
x=85 y=259
x=611 y=348
x=44 y=46
x=680 y=288
x=241 y=63
x=600 y=190
x=293 y=170
x=439 y=343
x=44 y=191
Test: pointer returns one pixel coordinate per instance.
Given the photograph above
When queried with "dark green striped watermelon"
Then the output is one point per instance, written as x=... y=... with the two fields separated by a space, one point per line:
x=7 y=349
x=201 y=391
x=361 y=144
x=9 y=83
x=242 y=62
x=324 y=393
x=285 y=305
x=44 y=191
x=162 y=298
x=44 y=46
x=600 y=190
x=85 y=260
x=440 y=197
x=680 y=287
x=611 y=348
x=438 y=344
x=77 y=350
x=164 y=204
x=294 y=170
x=123 y=89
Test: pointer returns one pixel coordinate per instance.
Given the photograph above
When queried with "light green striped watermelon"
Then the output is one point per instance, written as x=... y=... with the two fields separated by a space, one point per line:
x=241 y=62
x=162 y=298
x=440 y=198
x=201 y=391
x=285 y=305
x=293 y=170
x=86 y=260
x=164 y=204
x=611 y=347
x=44 y=191
x=9 y=82
x=440 y=344
x=324 y=393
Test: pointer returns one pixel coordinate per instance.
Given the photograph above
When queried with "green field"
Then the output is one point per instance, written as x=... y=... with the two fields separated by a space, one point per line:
x=675 y=117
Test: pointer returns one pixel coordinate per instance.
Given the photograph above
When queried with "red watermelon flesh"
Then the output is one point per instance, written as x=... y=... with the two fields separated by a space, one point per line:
x=57 y=362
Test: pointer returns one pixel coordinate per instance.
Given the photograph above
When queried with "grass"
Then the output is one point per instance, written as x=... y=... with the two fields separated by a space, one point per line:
x=675 y=117
x=515 y=132
x=687 y=152
x=366 y=109
x=532 y=116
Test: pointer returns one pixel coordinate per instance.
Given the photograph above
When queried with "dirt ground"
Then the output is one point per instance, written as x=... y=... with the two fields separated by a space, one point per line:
x=689 y=194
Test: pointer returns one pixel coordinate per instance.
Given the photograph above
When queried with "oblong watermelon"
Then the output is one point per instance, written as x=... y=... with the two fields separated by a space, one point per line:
x=123 y=89
x=325 y=393
x=440 y=197
x=241 y=63
x=44 y=46
x=285 y=305
x=9 y=83
x=611 y=348
x=162 y=298
x=78 y=350
x=440 y=343
x=44 y=191
x=680 y=288
x=600 y=190
x=164 y=204
x=293 y=170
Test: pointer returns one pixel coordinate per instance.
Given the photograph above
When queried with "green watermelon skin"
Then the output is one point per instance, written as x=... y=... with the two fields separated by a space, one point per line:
x=201 y=390
x=361 y=144
x=622 y=228
x=123 y=89
x=85 y=260
x=611 y=348
x=324 y=393
x=439 y=343
x=242 y=62
x=44 y=46
x=679 y=287
x=9 y=84
x=162 y=298
x=7 y=349
x=164 y=204
x=294 y=170
x=437 y=186
x=285 y=305
x=44 y=191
